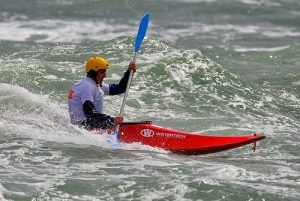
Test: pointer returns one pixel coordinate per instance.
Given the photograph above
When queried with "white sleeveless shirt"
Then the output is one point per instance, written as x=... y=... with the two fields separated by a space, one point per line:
x=86 y=89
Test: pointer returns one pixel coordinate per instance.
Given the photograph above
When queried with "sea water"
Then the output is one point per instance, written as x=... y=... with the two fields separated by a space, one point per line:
x=206 y=66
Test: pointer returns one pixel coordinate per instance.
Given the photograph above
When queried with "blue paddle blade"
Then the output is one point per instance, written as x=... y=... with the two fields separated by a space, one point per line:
x=142 y=32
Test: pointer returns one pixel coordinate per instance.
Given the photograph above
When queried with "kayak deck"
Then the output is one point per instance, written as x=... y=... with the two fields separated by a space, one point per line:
x=181 y=142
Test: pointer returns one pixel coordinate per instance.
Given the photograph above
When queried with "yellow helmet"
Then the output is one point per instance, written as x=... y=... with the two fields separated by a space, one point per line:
x=96 y=63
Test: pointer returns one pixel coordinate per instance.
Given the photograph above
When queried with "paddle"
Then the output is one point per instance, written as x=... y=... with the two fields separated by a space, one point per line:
x=138 y=41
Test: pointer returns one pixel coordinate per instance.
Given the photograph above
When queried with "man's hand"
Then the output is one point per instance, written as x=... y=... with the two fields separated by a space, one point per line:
x=132 y=66
x=118 y=120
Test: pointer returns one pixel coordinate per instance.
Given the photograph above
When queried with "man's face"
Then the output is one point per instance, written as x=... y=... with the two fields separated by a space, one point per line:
x=101 y=74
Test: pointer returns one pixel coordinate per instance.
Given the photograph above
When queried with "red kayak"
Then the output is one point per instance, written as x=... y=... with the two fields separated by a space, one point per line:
x=181 y=142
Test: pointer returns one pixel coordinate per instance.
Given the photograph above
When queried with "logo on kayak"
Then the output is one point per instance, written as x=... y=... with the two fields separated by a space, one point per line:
x=147 y=133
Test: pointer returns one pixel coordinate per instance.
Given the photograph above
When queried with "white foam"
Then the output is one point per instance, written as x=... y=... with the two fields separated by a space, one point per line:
x=192 y=1
x=49 y=30
x=247 y=171
x=297 y=83
x=2 y=190
x=291 y=97
x=261 y=2
x=53 y=77
x=229 y=32
x=250 y=2
x=239 y=102
x=259 y=49
x=23 y=96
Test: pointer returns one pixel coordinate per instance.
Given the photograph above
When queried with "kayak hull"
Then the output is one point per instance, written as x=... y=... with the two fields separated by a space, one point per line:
x=181 y=142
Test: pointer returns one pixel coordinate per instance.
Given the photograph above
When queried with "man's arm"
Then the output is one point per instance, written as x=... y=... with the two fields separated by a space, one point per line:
x=120 y=88
x=115 y=89
x=93 y=116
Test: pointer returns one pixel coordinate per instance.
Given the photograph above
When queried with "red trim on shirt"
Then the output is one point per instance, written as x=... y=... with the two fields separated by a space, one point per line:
x=70 y=94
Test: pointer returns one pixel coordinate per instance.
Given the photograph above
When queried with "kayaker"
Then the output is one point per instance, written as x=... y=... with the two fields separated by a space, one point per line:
x=86 y=97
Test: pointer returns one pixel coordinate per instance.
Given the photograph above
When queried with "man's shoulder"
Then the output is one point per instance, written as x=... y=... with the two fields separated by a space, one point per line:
x=86 y=84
